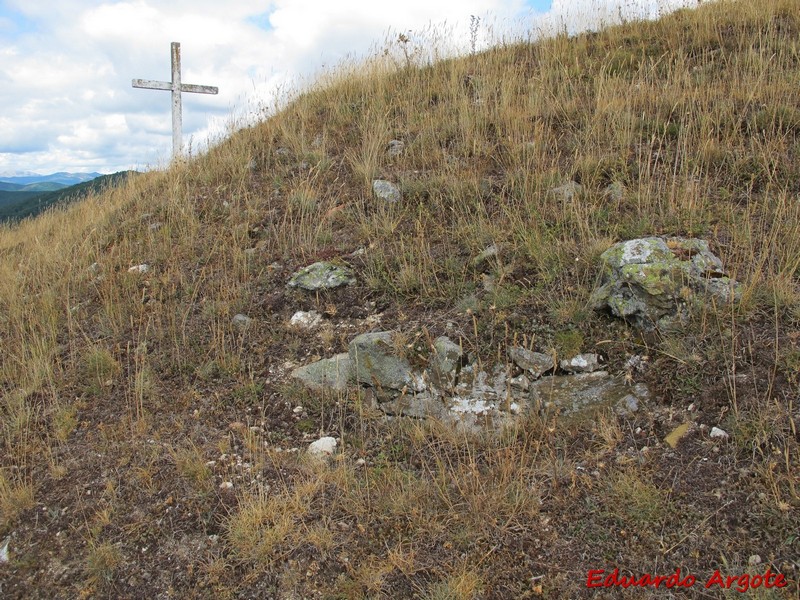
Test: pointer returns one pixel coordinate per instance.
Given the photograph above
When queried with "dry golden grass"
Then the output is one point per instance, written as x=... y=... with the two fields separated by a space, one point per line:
x=119 y=387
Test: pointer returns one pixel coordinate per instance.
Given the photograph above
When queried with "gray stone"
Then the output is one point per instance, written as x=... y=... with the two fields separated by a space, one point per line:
x=569 y=191
x=536 y=363
x=241 y=320
x=326 y=374
x=386 y=190
x=322 y=275
x=653 y=282
x=445 y=362
x=571 y=394
x=376 y=363
x=627 y=405
x=395 y=148
x=305 y=320
x=581 y=363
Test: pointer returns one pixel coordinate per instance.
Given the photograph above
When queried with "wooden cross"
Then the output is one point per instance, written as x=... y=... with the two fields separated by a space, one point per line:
x=176 y=87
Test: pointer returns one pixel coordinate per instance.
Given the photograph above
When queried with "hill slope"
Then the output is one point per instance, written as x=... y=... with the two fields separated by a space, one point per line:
x=153 y=443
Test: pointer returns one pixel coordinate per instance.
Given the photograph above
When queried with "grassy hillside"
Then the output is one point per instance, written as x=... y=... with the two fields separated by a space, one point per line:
x=28 y=202
x=130 y=400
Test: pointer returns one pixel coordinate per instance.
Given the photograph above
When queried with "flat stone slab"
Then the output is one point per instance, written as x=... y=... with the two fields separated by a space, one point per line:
x=535 y=363
x=326 y=374
x=376 y=363
x=572 y=394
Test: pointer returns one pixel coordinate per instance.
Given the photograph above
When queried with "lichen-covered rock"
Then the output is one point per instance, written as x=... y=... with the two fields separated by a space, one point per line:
x=377 y=363
x=386 y=190
x=654 y=281
x=322 y=275
x=326 y=374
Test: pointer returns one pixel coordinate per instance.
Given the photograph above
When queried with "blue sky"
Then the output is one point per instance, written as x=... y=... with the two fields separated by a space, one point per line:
x=66 y=101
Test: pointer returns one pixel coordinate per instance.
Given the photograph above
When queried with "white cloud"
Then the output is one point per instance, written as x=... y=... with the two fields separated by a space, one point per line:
x=66 y=67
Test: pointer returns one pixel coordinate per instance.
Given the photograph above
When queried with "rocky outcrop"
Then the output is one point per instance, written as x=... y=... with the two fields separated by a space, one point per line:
x=451 y=389
x=655 y=282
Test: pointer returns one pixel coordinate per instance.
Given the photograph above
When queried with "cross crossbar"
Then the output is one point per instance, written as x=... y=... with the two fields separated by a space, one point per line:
x=176 y=87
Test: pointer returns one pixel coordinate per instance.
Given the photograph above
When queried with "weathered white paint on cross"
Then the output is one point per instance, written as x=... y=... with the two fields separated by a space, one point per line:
x=176 y=87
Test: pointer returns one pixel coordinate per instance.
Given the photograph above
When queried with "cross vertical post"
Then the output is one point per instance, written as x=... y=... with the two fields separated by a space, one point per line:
x=177 y=107
x=176 y=86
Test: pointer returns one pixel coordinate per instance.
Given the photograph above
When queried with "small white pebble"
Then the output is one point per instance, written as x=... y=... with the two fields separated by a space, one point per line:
x=716 y=432
x=226 y=485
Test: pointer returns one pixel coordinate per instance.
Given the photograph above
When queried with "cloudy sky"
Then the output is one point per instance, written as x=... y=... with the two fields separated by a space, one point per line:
x=66 y=100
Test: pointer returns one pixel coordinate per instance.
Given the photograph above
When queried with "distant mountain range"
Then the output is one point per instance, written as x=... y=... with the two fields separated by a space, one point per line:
x=63 y=178
x=27 y=195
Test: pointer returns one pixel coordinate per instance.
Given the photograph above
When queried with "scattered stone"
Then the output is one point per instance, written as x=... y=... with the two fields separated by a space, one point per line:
x=653 y=281
x=568 y=192
x=395 y=148
x=754 y=560
x=94 y=267
x=716 y=432
x=305 y=320
x=361 y=462
x=282 y=151
x=582 y=363
x=386 y=190
x=627 y=405
x=226 y=485
x=241 y=320
x=4 y=550
x=677 y=434
x=297 y=410
x=376 y=363
x=323 y=447
x=328 y=373
x=536 y=363
x=322 y=275
x=143 y=268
